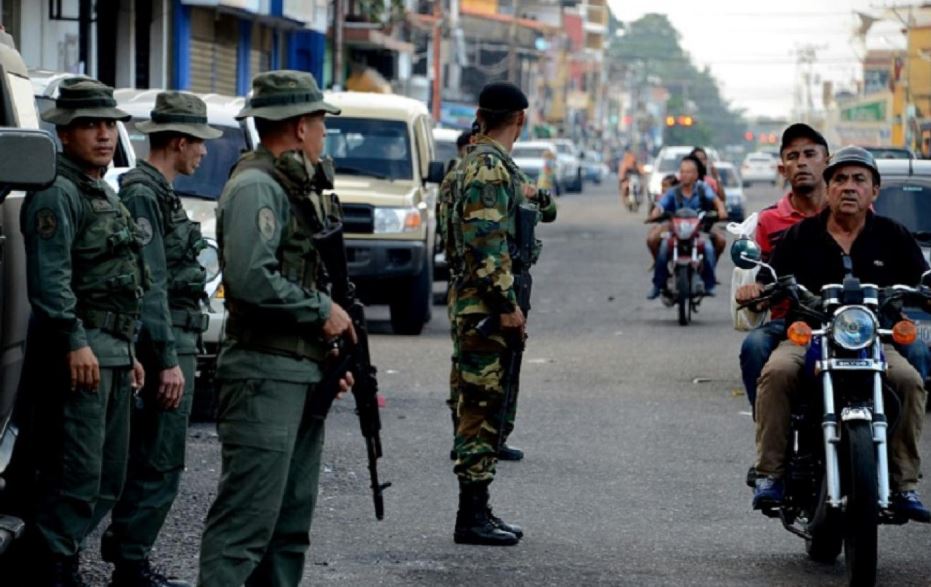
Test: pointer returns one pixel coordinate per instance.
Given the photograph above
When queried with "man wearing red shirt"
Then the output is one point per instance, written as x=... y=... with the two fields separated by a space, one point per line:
x=803 y=157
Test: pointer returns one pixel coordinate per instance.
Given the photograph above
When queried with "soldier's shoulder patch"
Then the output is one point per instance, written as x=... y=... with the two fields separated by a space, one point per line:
x=490 y=195
x=266 y=223
x=146 y=232
x=46 y=223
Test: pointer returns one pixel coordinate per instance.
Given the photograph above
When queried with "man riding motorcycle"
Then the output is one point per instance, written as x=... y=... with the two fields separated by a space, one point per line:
x=689 y=193
x=815 y=251
x=628 y=166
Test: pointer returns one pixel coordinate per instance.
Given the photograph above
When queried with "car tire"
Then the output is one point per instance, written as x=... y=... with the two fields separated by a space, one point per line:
x=412 y=304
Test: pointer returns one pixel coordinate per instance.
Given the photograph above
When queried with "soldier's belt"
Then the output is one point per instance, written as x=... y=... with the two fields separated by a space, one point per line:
x=115 y=323
x=190 y=320
x=261 y=339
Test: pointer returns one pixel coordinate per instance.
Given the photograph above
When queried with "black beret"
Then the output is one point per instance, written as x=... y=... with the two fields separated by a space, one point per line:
x=502 y=97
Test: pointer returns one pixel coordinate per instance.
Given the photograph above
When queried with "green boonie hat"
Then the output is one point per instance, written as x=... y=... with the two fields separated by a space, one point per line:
x=179 y=112
x=82 y=97
x=282 y=94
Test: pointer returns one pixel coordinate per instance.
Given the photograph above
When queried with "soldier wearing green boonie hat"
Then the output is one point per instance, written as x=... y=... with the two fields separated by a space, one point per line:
x=172 y=323
x=85 y=280
x=280 y=318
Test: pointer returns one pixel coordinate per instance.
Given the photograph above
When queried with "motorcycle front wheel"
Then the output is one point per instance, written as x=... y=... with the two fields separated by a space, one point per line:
x=862 y=513
x=683 y=289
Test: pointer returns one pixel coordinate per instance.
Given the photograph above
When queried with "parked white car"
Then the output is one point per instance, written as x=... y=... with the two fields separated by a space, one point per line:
x=569 y=167
x=736 y=201
x=760 y=167
x=444 y=142
x=536 y=157
x=666 y=162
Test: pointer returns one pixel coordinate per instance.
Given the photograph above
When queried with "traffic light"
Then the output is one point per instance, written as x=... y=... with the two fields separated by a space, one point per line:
x=670 y=121
x=685 y=120
x=748 y=136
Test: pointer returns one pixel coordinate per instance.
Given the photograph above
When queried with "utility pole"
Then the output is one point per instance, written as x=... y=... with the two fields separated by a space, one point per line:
x=513 y=74
x=338 y=67
x=437 y=66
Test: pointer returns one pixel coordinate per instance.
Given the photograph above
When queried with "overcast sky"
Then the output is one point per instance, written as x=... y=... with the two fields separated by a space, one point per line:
x=751 y=46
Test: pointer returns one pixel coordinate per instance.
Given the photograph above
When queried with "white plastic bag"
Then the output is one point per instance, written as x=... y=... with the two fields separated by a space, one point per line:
x=744 y=319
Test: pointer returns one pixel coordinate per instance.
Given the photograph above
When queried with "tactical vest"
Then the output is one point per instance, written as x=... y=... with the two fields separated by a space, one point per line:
x=185 y=277
x=108 y=277
x=298 y=259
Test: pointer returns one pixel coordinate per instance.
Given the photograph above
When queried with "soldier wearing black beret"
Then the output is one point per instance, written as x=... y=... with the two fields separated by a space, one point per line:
x=488 y=190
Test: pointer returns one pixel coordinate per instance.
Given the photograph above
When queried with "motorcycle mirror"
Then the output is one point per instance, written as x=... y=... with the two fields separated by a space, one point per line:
x=926 y=278
x=745 y=253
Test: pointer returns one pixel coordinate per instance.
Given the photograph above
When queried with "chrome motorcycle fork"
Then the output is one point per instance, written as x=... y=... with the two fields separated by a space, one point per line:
x=880 y=430
x=829 y=427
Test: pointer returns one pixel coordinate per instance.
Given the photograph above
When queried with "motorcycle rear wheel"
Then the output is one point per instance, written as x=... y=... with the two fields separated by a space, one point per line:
x=826 y=529
x=862 y=514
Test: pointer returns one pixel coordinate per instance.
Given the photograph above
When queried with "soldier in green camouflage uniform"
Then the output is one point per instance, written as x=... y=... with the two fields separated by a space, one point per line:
x=483 y=225
x=447 y=194
x=85 y=282
x=281 y=319
x=172 y=322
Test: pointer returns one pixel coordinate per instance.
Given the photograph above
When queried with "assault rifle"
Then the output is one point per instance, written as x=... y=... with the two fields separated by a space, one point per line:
x=353 y=358
x=521 y=253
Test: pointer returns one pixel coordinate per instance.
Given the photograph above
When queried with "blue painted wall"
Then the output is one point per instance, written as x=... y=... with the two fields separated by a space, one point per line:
x=181 y=47
x=306 y=51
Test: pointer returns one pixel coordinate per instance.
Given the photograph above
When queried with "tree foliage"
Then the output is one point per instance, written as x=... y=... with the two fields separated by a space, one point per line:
x=650 y=47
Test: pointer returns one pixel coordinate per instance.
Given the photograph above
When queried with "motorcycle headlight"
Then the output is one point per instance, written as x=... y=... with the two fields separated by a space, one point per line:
x=393 y=220
x=684 y=230
x=854 y=328
x=209 y=259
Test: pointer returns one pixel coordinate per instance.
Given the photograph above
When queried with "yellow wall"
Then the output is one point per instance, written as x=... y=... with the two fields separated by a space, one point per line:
x=481 y=6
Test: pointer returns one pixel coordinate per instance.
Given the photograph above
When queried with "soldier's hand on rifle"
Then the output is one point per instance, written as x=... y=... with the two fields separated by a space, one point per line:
x=346 y=383
x=85 y=370
x=514 y=321
x=170 y=388
x=339 y=324
x=530 y=191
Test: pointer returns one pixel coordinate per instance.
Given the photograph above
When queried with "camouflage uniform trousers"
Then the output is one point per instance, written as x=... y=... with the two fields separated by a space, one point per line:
x=482 y=366
x=455 y=378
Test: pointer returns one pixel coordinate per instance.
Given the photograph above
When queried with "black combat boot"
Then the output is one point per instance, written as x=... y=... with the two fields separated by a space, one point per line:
x=473 y=525
x=62 y=571
x=510 y=453
x=141 y=574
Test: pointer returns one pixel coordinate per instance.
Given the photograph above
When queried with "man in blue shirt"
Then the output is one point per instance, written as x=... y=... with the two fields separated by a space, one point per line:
x=697 y=195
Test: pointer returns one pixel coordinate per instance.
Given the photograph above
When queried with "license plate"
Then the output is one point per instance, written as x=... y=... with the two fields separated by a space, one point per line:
x=852 y=362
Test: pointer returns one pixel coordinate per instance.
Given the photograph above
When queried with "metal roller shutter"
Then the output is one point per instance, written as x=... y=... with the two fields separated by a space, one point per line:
x=214 y=38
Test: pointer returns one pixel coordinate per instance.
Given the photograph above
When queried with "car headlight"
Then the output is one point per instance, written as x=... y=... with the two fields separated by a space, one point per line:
x=394 y=220
x=209 y=259
x=854 y=328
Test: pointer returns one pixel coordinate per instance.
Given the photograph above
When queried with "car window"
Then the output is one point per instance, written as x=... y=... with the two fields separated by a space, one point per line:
x=529 y=152
x=564 y=148
x=445 y=151
x=669 y=163
x=906 y=201
x=880 y=153
x=208 y=181
x=369 y=146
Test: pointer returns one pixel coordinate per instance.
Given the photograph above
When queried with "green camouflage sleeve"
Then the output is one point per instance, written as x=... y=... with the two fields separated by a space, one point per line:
x=48 y=221
x=547 y=204
x=142 y=204
x=484 y=212
x=253 y=215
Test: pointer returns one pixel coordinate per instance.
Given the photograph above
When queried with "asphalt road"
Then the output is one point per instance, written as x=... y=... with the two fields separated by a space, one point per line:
x=636 y=430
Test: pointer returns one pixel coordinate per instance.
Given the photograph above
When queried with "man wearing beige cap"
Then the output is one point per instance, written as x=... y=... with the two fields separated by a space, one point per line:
x=172 y=322
x=281 y=321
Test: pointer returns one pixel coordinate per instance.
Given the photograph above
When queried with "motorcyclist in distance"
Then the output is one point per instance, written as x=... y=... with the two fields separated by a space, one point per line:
x=690 y=193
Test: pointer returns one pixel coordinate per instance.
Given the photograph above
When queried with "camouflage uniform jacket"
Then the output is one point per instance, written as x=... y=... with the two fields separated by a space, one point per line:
x=489 y=189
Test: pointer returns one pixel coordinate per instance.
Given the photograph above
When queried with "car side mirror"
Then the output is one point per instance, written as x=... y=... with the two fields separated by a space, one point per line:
x=436 y=172
x=746 y=253
x=27 y=160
